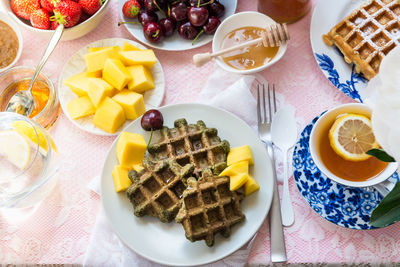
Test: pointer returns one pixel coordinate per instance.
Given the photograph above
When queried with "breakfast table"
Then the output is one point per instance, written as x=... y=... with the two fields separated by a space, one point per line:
x=59 y=230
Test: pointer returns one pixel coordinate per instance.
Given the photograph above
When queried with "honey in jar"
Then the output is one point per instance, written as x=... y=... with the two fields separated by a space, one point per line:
x=284 y=11
x=250 y=57
x=355 y=171
x=40 y=92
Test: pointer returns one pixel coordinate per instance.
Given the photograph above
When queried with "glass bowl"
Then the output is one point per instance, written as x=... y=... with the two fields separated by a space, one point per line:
x=49 y=114
x=29 y=162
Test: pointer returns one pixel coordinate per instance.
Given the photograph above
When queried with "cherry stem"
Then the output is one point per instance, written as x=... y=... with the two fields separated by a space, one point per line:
x=155 y=35
x=198 y=3
x=127 y=22
x=151 y=136
x=197 y=36
x=162 y=11
x=209 y=2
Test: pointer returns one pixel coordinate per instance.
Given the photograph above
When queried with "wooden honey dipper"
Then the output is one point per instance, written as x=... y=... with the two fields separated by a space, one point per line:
x=274 y=36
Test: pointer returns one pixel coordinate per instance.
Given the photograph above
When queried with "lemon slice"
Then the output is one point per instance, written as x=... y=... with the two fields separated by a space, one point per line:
x=28 y=130
x=15 y=148
x=351 y=136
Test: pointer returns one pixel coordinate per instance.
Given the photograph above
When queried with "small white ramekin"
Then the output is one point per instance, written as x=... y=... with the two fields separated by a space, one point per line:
x=14 y=26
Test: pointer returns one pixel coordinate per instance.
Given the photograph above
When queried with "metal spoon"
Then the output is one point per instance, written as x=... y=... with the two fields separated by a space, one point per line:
x=22 y=102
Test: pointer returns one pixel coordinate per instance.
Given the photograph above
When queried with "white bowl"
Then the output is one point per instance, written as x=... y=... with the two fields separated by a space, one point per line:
x=69 y=33
x=239 y=20
x=328 y=118
x=13 y=24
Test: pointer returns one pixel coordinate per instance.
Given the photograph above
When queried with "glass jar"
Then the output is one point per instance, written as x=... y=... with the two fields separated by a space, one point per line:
x=284 y=11
x=29 y=162
x=18 y=78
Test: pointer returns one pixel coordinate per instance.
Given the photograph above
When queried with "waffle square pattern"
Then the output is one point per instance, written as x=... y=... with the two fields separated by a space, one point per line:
x=209 y=207
x=367 y=35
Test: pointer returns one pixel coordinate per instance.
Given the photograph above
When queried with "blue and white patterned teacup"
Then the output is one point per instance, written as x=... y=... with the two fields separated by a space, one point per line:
x=325 y=121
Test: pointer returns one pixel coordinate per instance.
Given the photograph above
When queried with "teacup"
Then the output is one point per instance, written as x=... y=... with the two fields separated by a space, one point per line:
x=326 y=120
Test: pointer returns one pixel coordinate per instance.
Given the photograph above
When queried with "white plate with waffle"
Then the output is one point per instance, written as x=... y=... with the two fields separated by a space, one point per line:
x=371 y=33
x=76 y=64
x=165 y=243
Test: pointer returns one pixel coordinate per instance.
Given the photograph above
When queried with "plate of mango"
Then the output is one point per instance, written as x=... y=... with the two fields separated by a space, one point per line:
x=109 y=83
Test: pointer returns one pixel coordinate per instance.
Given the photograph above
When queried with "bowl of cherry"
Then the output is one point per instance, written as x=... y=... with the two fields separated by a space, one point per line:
x=174 y=25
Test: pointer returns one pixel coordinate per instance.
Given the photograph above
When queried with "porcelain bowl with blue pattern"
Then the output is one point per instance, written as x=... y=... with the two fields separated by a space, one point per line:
x=324 y=122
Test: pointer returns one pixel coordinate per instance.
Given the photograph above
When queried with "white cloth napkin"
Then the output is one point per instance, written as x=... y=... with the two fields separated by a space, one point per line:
x=224 y=90
x=383 y=95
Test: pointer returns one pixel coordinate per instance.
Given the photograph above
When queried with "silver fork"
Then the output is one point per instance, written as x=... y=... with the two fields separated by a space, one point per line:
x=277 y=240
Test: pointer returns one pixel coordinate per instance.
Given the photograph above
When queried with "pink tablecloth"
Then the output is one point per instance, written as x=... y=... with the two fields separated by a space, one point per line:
x=59 y=230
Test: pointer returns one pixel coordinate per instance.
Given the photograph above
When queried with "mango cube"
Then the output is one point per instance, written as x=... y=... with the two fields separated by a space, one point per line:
x=95 y=60
x=131 y=102
x=121 y=179
x=240 y=153
x=138 y=167
x=109 y=116
x=131 y=148
x=237 y=181
x=80 y=107
x=98 y=90
x=79 y=83
x=240 y=167
x=142 y=57
x=250 y=186
x=129 y=47
x=115 y=73
x=142 y=80
x=95 y=49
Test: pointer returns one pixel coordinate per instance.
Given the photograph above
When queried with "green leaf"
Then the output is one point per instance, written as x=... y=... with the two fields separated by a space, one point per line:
x=381 y=155
x=388 y=211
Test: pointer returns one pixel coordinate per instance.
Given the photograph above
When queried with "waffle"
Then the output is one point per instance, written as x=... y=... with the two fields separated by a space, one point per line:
x=367 y=35
x=158 y=188
x=209 y=207
x=194 y=143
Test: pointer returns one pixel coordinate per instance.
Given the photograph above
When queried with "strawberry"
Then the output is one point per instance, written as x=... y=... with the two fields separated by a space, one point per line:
x=90 y=6
x=24 y=8
x=40 y=19
x=67 y=12
x=54 y=25
x=49 y=5
x=131 y=9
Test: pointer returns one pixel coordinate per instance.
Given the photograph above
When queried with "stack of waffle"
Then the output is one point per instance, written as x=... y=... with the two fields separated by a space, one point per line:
x=179 y=170
x=367 y=35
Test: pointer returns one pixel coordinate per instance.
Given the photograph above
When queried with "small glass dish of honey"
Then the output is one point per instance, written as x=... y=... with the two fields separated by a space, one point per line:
x=239 y=28
x=363 y=173
x=46 y=109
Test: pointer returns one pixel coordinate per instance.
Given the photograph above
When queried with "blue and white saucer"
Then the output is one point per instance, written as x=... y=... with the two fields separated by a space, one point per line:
x=345 y=206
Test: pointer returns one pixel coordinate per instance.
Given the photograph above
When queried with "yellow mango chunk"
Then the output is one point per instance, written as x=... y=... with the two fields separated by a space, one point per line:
x=142 y=57
x=131 y=102
x=95 y=60
x=142 y=80
x=98 y=90
x=80 y=107
x=115 y=73
x=130 y=149
x=250 y=186
x=109 y=116
x=138 y=167
x=240 y=167
x=129 y=47
x=121 y=179
x=95 y=49
x=78 y=83
x=240 y=153
x=237 y=181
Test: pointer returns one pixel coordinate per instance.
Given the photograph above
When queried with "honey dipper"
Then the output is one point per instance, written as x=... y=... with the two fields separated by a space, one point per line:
x=274 y=36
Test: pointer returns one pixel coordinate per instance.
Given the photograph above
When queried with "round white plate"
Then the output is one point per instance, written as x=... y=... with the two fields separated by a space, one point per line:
x=342 y=75
x=165 y=243
x=76 y=64
x=174 y=42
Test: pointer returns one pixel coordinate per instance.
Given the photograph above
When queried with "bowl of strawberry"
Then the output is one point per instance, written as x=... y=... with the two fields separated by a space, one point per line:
x=174 y=25
x=43 y=16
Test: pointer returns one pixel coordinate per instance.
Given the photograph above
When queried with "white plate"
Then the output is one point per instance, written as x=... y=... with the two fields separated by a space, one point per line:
x=165 y=243
x=326 y=15
x=76 y=64
x=174 y=42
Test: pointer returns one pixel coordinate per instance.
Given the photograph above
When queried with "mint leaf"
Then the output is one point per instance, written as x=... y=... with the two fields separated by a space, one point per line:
x=381 y=155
